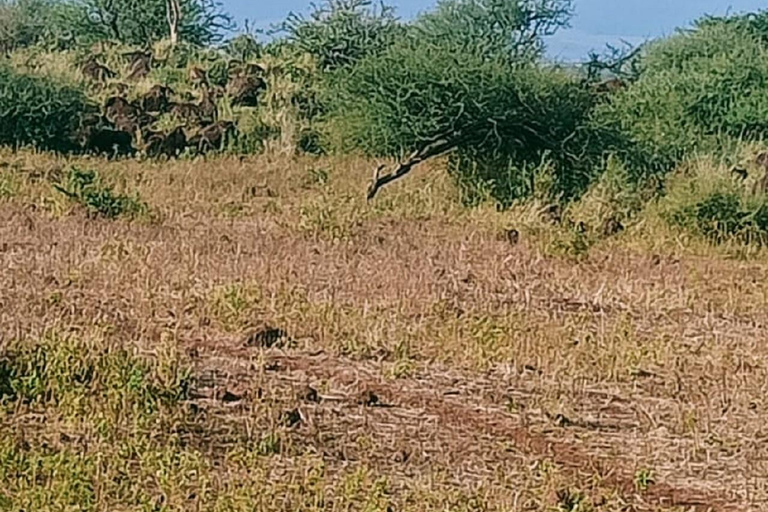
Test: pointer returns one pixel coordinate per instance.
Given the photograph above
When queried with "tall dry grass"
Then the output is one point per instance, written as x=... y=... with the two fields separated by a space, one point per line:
x=541 y=375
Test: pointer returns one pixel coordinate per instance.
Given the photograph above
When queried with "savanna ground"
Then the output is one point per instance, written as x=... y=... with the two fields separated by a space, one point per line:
x=261 y=338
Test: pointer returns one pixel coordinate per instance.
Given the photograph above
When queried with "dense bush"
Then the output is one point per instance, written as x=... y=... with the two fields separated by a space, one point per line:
x=243 y=47
x=697 y=92
x=24 y=23
x=18 y=27
x=38 y=111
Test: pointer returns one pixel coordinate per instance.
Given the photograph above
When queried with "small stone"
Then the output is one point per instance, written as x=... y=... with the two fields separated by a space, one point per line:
x=368 y=398
x=267 y=337
x=309 y=394
x=290 y=418
x=513 y=236
x=230 y=397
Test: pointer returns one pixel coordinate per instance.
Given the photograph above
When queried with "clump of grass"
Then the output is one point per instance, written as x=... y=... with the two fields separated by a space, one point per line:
x=705 y=201
x=8 y=187
x=118 y=418
x=644 y=479
x=85 y=188
x=69 y=373
x=573 y=243
x=612 y=196
x=235 y=305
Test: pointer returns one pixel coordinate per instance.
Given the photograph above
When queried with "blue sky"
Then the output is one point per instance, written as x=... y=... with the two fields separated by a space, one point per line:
x=596 y=21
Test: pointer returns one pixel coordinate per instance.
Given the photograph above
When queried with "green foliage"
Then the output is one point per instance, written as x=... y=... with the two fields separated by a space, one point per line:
x=613 y=195
x=244 y=47
x=62 y=372
x=341 y=32
x=128 y=410
x=184 y=54
x=38 y=111
x=143 y=22
x=18 y=26
x=714 y=206
x=512 y=29
x=467 y=80
x=252 y=134
x=697 y=92
x=86 y=189
x=755 y=23
x=25 y=23
x=644 y=479
x=218 y=73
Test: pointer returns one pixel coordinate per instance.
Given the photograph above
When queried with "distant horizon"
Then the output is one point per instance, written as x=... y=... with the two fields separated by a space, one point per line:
x=595 y=23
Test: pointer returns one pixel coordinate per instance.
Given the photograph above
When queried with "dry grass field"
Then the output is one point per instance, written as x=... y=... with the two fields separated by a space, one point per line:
x=260 y=338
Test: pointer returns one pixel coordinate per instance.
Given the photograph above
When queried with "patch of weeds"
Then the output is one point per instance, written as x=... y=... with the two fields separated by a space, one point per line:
x=234 y=305
x=233 y=210
x=124 y=422
x=85 y=188
x=403 y=366
x=574 y=244
x=71 y=374
x=644 y=479
x=571 y=501
x=317 y=176
x=8 y=186
x=336 y=218
x=55 y=298
x=717 y=216
x=487 y=339
x=269 y=444
x=361 y=487
x=710 y=204
x=36 y=477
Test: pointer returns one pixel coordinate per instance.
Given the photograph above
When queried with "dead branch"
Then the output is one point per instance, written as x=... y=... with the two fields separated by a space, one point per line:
x=436 y=147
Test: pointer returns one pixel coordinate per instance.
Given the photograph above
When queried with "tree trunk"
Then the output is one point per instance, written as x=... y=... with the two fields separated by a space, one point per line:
x=173 y=13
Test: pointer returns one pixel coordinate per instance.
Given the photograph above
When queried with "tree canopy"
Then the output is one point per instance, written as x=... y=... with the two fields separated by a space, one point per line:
x=465 y=79
x=142 y=22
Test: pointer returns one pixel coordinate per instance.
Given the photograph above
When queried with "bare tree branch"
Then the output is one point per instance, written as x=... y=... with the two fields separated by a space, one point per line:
x=438 y=146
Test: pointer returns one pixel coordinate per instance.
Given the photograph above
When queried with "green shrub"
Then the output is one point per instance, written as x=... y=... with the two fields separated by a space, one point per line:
x=468 y=82
x=252 y=134
x=86 y=189
x=24 y=23
x=697 y=92
x=710 y=204
x=218 y=73
x=613 y=195
x=244 y=47
x=18 y=26
x=38 y=111
x=63 y=372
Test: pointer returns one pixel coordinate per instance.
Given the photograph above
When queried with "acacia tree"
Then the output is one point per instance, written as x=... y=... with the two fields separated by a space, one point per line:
x=338 y=33
x=466 y=80
x=142 y=22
